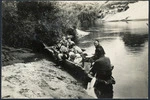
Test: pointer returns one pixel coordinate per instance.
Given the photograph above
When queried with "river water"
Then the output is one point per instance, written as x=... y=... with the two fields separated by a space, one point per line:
x=126 y=44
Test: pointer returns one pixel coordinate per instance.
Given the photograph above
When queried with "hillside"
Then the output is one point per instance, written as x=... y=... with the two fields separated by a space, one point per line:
x=137 y=10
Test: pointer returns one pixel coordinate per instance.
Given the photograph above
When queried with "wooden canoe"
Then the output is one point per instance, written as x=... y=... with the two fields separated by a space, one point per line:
x=78 y=71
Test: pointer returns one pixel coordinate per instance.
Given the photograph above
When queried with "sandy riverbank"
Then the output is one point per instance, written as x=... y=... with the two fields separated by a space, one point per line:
x=40 y=79
x=29 y=75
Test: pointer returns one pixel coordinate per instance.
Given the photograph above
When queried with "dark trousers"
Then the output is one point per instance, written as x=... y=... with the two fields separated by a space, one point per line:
x=103 y=90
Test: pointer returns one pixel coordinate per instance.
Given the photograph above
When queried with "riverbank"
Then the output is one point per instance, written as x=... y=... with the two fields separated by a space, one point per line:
x=39 y=78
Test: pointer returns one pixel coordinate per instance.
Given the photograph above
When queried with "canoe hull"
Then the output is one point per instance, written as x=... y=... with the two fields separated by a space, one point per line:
x=76 y=71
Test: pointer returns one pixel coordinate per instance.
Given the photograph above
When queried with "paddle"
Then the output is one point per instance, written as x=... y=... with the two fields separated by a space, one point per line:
x=90 y=87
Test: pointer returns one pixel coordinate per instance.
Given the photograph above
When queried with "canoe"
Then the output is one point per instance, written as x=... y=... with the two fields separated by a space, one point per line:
x=78 y=71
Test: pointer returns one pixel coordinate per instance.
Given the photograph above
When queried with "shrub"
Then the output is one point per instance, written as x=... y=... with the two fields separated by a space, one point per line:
x=49 y=20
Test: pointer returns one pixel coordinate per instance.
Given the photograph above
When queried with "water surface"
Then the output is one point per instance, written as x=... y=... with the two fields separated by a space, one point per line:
x=126 y=44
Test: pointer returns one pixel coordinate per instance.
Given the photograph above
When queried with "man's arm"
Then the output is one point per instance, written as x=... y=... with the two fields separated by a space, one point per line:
x=93 y=69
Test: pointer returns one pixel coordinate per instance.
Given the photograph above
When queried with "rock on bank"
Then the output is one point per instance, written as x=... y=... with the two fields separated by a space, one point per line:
x=40 y=79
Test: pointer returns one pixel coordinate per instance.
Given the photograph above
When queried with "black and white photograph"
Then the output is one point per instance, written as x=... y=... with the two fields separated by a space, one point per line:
x=74 y=49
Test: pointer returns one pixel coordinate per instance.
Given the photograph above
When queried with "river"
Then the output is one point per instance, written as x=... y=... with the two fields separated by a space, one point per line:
x=126 y=44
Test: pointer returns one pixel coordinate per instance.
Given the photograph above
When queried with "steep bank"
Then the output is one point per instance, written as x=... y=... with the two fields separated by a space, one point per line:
x=39 y=79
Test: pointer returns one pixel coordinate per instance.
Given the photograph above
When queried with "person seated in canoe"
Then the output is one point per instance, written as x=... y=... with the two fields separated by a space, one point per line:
x=63 y=52
x=102 y=70
x=75 y=53
x=72 y=33
x=99 y=51
x=56 y=48
x=64 y=41
x=70 y=42
x=58 y=45
x=60 y=52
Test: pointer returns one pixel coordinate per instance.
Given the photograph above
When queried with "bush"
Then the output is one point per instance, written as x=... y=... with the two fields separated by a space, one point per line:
x=49 y=20
x=20 y=23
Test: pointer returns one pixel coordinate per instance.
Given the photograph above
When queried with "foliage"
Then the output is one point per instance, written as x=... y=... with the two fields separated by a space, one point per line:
x=49 y=20
x=21 y=21
x=80 y=14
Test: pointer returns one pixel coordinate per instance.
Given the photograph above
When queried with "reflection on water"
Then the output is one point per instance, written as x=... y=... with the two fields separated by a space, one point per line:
x=126 y=44
x=134 y=42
